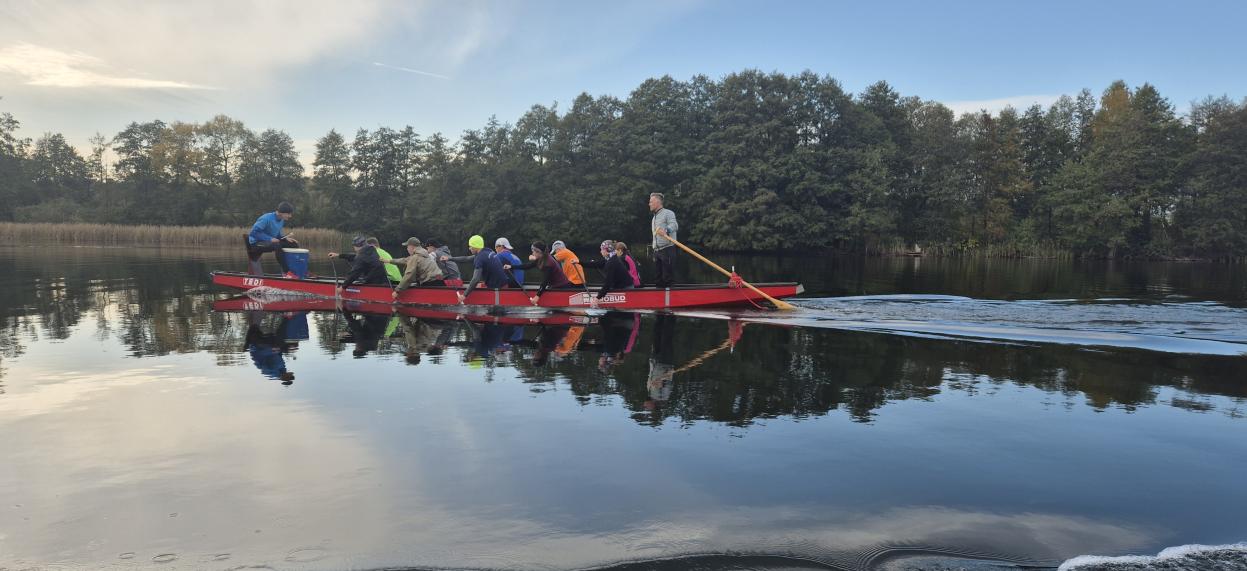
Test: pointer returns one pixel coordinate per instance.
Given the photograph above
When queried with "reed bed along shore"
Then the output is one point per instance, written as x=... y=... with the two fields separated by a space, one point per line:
x=122 y=235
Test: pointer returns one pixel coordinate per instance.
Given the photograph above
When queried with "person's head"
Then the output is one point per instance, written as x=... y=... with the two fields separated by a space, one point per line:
x=656 y=200
x=557 y=245
x=540 y=251
x=432 y=245
x=476 y=243
x=413 y=357
x=607 y=248
x=358 y=243
x=285 y=211
x=502 y=244
x=621 y=248
x=287 y=378
x=413 y=245
x=373 y=241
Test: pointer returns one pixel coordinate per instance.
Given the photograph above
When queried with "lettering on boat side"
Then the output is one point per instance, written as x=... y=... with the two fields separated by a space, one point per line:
x=252 y=282
x=253 y=306
x=583 y=298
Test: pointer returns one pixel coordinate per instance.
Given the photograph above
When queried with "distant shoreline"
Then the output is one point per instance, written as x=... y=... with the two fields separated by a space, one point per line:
x=229 y=238
x=17 y=233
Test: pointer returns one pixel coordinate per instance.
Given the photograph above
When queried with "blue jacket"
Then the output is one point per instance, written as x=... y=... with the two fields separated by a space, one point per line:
x=266 y=227
x=509 y=258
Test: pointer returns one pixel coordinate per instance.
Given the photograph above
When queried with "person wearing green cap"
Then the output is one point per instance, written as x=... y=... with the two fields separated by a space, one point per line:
x=421 y=269
x=486 y=266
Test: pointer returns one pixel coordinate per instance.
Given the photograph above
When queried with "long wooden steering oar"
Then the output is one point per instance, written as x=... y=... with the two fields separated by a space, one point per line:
x=778 y=303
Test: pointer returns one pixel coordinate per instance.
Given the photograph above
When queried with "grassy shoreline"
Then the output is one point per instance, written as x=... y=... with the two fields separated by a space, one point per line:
x=147 y=235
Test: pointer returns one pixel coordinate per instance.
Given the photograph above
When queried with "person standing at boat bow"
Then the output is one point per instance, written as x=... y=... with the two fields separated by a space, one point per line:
x=266 y=236
x=663 y=227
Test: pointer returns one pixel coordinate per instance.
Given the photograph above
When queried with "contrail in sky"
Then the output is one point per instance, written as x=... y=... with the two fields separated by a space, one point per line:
x=409 y=70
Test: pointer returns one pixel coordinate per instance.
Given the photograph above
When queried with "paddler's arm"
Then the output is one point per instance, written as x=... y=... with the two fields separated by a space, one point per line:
x=477 y=274
x=404 y=283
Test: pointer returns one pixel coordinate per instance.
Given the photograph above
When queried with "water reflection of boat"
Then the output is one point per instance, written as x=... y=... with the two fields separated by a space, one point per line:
x=697 y=295
x=244 y=303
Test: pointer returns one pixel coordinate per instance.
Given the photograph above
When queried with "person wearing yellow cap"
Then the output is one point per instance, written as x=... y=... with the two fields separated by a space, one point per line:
x=486 y=266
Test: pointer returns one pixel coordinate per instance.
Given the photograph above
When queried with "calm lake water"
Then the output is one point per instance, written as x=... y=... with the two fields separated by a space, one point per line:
x=912 y=413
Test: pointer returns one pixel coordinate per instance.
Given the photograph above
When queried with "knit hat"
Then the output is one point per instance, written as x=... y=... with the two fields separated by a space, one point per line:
x=285 y=208
x=504 y=243
x=476 y=241
x=359 y=241
x=557 y=245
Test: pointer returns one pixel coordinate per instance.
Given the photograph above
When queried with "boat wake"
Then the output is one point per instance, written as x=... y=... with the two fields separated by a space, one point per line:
x=1178 y=327
x=1181 y=558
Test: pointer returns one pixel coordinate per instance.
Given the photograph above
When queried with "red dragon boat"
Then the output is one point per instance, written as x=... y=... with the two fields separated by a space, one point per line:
x=675 y=297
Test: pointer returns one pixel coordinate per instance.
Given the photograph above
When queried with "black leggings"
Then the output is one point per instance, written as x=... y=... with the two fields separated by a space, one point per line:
x=254 y=251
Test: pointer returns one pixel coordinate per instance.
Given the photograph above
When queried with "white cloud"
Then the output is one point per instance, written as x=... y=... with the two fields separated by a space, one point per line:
x=1019 y=102
x=240 y=45
x=51 y=68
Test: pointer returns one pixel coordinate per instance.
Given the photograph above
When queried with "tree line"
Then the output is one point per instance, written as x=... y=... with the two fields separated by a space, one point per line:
x=751 y=162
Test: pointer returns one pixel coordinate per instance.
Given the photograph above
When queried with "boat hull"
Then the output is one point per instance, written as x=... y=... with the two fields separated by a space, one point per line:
x=680 y=296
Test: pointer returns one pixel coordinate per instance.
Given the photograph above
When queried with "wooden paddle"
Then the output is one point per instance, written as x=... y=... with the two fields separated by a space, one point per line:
x=778 y=303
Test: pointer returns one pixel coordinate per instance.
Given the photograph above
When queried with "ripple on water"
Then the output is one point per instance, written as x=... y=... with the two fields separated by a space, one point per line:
x=307 y=554
x=165 y=558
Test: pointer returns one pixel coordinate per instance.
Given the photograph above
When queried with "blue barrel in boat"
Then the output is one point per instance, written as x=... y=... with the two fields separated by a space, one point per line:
x=296 y=260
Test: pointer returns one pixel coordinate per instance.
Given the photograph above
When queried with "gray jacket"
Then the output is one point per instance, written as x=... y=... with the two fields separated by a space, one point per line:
x=664 y=219
x=450 y=270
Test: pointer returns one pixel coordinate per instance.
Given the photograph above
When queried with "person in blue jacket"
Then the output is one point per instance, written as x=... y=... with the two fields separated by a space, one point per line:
x=266 y=236
x=503 y=248
x=486 y=267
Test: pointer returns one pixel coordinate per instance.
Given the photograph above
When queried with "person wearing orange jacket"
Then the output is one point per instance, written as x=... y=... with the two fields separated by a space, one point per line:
x=569 y=261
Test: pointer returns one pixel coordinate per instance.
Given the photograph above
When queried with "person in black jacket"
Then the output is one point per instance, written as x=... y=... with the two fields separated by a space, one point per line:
x=617 y=275
x=366 y=265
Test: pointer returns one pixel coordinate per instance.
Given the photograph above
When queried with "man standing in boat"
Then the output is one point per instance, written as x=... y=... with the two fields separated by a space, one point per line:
x=266 y=236
x=663 y=227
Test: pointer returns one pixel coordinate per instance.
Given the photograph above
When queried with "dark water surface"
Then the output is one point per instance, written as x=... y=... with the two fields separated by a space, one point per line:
x=911 y=414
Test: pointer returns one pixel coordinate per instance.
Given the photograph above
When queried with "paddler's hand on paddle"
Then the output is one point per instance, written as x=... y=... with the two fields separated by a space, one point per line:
x=593 y=302
x=395 y=294
x=661 y=232
x=333 y=254
x=338 y=290
x=506 y=266
x=275 y=240
x=535 y=299
x=460 y=296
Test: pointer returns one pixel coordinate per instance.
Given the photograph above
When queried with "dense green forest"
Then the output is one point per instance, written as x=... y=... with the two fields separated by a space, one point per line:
x=753 y=161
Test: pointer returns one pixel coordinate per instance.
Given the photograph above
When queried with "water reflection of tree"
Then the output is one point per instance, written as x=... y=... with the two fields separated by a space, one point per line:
x=800 y=373
x=158 y=305
x=155 y=305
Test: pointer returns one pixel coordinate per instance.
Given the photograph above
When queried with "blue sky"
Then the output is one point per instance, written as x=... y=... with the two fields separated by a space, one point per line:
x=312 y=65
